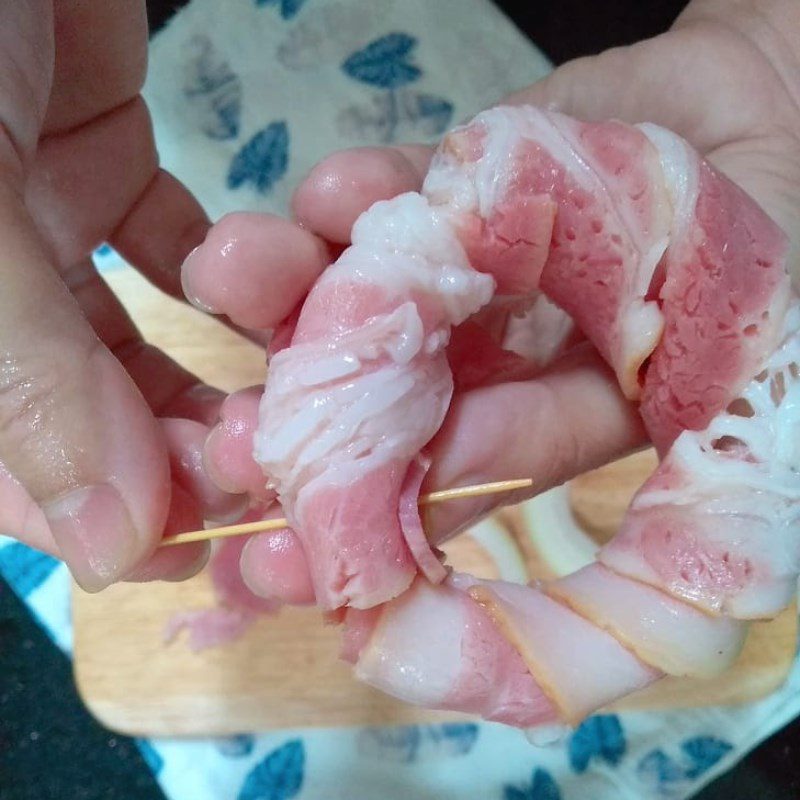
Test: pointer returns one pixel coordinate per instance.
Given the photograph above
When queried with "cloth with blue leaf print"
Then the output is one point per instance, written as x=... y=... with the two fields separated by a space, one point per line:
x=246 y=95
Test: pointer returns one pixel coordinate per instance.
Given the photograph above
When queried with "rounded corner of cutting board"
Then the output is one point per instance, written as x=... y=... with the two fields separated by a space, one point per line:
x=108 y=715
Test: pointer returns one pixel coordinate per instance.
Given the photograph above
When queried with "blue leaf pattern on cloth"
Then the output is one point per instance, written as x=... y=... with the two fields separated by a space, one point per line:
x=697 y=756
x=384 y=62
x=236 y=746
x=406 y=744
x=263 y=160
x=512 y=793
x=393 y=115
x=601 y=736
x=455 y=738
x=25 y=568
x=279 y=776
x=288 y=7
x=542 y=787
x=213 y=89
x=435 y=109
x=704 y=752
x=658 y=769
x=151 y=757
x=396 y=743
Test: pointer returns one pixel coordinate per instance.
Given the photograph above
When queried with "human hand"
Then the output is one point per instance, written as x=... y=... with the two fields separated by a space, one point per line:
x=721 y=78
x=84 y=464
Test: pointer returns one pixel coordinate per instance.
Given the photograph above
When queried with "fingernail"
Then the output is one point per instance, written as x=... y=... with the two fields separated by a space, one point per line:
x=172 y=564
x=95 y=534
x=189 y=290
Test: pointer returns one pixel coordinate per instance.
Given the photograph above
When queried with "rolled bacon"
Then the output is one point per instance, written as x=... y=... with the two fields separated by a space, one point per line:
x=680 y=281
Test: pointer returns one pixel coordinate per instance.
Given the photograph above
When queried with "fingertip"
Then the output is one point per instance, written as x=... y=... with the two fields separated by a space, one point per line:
x=226 y=577
x=163 y=226
x=179 y=562
x=199 y=402
x=228 y=451
x=344 y=185
x=95 y=533
x=274 y=566
x=191 y=483
x=172 y=564
x=192 y=273
x=254 y=268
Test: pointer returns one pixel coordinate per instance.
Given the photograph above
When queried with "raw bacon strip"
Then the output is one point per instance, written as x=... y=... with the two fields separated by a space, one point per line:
x=368 y=351
x=717 y=523
x=478 y=360
x=663 y=632
x=609 y=231
x=723 y=295
x=541 y=332
x=427 y=559
x=618 y=300
x=679 y=280
x=556 y=645
x=209 y=627
x=435 y=646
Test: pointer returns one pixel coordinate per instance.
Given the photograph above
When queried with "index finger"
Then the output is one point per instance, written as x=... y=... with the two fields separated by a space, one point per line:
x=345 y=184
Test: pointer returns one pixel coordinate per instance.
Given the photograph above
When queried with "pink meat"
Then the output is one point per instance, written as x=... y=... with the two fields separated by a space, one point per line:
x=461 y=663
x=361 y=390
x=209 y=628
x=609 y=230
x=723 y=298
x=678 y=279
x=716 y=525
x=556 y=645
x=664 y=632
x=476 y=359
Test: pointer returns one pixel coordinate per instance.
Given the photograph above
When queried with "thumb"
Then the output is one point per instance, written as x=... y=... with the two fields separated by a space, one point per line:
x=83 y=468
x=592 y=88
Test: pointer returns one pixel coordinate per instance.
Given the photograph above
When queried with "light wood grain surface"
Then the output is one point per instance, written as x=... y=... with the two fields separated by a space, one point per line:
x=284 y=672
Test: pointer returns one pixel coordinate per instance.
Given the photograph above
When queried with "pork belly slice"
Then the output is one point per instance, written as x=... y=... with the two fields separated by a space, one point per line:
x=579 y=666
x=362 y=388
x=601 y=190
x=435 y=646
x=723 y=290
x=664 y=632
x=718 y=524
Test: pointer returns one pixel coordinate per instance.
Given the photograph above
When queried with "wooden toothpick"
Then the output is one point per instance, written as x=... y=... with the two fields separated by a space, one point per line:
x=260 y=526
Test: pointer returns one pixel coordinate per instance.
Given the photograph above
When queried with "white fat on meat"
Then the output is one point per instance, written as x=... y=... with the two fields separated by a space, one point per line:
x=328 y=405
x=557 y=644
x=356 y=398
x=737 y=484
x=664 y=632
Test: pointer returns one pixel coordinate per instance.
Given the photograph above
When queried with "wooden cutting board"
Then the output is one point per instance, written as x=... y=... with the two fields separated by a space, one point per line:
x=284 y=672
